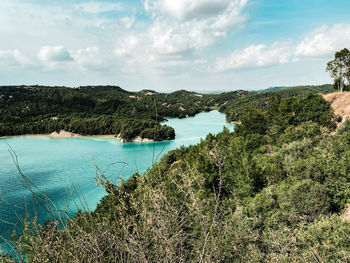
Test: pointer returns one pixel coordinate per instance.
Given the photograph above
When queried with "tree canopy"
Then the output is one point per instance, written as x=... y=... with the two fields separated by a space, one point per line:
x=339 y=69
x=272 y=191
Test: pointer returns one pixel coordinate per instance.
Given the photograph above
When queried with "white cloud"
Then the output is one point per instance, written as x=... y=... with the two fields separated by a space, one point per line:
x=188 y=9
x=127 y=44
x=91 y=58
x=255 y=56
x=178 y=32
x=210 y=19
x=161 y=48
x=325 y=40
x=101 y=40
x=52 y=55
x=98 y=8
x=127 y=22
x=65 y=22
x=175 y=35
x=12 y=58
x=321 y=42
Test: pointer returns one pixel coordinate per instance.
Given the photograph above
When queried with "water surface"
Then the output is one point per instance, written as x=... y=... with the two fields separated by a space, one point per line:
x=57 y=165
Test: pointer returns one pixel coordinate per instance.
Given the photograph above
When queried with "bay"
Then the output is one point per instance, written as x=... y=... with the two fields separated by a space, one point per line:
x=64 y=169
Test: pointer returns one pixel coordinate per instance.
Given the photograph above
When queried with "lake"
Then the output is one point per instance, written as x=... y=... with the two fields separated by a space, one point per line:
x=56 y=166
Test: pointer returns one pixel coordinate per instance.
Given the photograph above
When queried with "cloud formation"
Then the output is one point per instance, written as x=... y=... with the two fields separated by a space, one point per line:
x=91 y=58
x=255 y=56
x=191 y=9
x=178 y=32
x=54 y=54
x=325 y=40
x=322 y=42
x=150 y=40
x=98 y=7
x=12 y=58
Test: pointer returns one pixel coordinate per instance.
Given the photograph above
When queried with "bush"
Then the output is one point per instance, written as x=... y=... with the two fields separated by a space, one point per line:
x=302 y=201
x=304 y=130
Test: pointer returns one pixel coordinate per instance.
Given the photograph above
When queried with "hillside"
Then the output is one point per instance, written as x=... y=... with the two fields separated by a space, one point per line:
x=340 y=102
x=234 y=109
x=101 y=110
x=110 y=110
x=272 y=191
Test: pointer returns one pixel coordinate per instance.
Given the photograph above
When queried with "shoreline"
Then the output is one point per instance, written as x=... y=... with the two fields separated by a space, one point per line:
x=64 y=134
x=48 y=135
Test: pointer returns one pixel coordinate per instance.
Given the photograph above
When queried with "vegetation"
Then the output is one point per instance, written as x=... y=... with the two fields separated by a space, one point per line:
x=236 y=108
x=109 y=110
x=272 y=191
x=93 y=111
x=339 y=69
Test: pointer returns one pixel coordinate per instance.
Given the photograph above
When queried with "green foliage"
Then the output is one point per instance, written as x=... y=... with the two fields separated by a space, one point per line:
x=286 y=120
x=272 y=191
x=236 y=108
x=94 y=111
x=289 y=204
x=315 y=108
x=339 y=69
x=307 y=129
x=254 y=121
x=109 y=110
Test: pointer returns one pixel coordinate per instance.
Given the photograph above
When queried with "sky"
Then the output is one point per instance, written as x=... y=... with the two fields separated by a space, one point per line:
x=166 y=45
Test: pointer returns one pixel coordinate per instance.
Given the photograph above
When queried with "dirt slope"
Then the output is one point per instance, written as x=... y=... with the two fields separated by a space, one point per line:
x=340 y=102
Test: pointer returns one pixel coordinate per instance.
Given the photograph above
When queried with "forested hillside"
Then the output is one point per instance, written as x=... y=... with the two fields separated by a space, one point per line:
x=106 y=110
x=93 y=111
x=234 y=109
x=272 y=191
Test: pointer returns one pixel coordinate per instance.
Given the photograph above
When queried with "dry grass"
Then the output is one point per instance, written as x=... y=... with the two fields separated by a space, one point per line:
x=346 y=215
x=340 y=102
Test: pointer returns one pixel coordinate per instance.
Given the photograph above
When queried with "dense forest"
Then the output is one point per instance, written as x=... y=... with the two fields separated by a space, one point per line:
x=234 y=109
x=273 y=190
x=92 y=110
x=106 y=110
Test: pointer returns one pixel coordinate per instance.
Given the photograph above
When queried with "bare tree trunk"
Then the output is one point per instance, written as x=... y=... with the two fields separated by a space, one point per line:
x=341 y=84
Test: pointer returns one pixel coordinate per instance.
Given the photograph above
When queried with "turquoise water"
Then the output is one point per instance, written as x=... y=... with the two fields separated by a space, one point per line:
x=58 y=165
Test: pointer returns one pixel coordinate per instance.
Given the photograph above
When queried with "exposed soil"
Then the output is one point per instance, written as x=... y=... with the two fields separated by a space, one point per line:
x=340 y=102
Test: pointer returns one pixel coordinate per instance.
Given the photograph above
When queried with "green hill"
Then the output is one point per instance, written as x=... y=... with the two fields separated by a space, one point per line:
x=106 y=110
x=272 y=191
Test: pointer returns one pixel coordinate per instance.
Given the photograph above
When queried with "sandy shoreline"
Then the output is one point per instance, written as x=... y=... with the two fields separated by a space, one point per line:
x=65 y=134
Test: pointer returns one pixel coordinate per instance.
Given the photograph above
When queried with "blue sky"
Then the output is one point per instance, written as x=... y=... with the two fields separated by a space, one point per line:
x=167 y=45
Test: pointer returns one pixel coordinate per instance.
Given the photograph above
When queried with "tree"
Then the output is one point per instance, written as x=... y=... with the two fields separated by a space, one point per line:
x=337 y=84
x=339 y=68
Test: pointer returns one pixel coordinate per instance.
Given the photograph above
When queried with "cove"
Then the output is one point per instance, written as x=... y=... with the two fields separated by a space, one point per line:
x=56 y=166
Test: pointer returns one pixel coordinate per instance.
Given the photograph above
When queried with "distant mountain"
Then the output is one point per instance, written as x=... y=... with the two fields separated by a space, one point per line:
x=293 y=87
x=273 y=89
